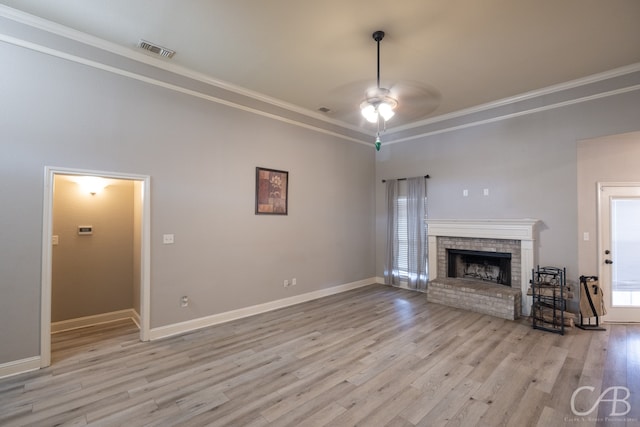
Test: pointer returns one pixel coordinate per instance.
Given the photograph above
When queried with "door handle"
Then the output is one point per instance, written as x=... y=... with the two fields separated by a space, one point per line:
x=608 y=261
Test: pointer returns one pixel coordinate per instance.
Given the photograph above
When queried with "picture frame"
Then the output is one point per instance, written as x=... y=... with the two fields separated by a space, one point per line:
x=272 y=191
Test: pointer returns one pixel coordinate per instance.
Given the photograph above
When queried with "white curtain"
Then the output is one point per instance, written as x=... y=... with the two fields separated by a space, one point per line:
x=391 y=270
x=406 y=250
x=417 y=233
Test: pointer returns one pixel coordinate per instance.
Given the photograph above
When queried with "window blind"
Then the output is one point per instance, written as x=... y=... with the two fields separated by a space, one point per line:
x=403 y=239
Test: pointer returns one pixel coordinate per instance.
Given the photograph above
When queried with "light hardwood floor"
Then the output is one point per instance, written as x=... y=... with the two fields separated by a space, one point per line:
x=375 y=356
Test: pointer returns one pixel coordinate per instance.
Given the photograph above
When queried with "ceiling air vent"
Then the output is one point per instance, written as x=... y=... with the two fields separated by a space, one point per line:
x=154 y=48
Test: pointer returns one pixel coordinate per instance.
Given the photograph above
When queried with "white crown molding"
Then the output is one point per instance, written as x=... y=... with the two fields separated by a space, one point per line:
x=139 y=56
x=572 y=84
x=98 y=65
x=524 y=112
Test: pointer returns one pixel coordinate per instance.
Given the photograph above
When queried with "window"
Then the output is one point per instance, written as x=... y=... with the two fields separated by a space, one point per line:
x=406 y=252
x=403 y=238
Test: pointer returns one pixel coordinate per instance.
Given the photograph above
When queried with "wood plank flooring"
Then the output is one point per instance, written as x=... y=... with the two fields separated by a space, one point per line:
x=374 y=356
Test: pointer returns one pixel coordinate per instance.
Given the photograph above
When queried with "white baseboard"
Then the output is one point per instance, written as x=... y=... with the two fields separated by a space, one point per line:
x=135 y=316
x=203 y=322
x=19 y=366
x=33 y=363
x=83 y=322
x=402 y=285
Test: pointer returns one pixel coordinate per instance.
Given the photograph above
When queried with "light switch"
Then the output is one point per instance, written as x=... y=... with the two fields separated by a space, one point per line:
x=585 y=236
x=485 y=192
x=54 y=240
x=167 y=239
x=465 y=193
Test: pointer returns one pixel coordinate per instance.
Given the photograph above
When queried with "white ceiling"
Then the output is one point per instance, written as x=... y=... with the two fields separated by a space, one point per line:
x=454 y=54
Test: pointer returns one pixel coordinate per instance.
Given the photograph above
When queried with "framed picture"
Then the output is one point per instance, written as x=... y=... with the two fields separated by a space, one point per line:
x=272 y=192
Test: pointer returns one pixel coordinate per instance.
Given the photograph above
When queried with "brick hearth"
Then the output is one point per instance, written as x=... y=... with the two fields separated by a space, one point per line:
x=473 y=295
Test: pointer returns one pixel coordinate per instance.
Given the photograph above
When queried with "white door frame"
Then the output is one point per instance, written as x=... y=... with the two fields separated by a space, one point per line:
x=601 y=233
x=47 y=229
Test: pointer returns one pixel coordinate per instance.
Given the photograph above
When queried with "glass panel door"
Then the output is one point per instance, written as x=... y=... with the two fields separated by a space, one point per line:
x=625 y=252
x=619 y=250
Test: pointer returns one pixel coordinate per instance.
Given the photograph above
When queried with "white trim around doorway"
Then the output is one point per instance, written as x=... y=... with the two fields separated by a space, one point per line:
x=618 y=313
x=47 y=225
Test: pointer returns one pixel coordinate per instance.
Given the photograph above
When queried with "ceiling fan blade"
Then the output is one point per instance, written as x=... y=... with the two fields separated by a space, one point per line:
x=415 y=99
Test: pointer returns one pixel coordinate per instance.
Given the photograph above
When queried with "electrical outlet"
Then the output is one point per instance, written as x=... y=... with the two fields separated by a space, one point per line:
x=184 y=301
x=294 y=282
x=286 y=283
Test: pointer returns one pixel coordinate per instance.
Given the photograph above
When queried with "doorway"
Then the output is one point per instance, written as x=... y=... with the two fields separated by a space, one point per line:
x=141 y=237
x=619 y=250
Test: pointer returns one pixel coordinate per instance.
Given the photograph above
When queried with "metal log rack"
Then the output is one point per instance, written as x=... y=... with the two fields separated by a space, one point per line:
x=555 y=303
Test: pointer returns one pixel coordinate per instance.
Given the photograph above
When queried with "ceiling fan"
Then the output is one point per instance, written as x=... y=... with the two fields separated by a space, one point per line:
x=409 y=99
x=378 y=105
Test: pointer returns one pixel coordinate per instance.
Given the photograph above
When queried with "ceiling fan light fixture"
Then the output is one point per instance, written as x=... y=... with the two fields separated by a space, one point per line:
x=385 y=109
x=369 y=112
x=378 y=107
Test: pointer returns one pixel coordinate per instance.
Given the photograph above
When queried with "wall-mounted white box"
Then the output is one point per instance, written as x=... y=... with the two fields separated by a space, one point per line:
x=85 y=230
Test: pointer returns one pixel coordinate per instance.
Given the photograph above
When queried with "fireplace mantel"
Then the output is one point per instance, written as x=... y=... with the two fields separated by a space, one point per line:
x=514 y=229
x=523 y=230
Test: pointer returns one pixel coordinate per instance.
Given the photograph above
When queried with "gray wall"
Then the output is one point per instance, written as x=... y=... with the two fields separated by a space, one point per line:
x=92 y=274
x=607 y=159
x=528 y=163
x=201 y=157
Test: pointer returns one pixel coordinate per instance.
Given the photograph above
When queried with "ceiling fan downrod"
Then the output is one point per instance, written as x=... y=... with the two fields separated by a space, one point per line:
x=378 y=36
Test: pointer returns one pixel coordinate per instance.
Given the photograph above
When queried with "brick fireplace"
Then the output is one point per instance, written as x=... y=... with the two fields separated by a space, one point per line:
x=450 y=244
x=513 y=238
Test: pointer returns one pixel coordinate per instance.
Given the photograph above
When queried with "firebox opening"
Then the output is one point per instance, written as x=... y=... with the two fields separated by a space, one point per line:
x=492 y=267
